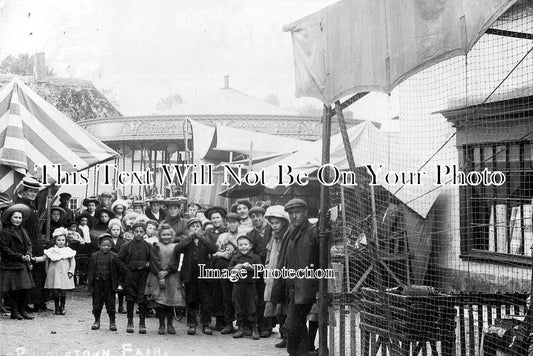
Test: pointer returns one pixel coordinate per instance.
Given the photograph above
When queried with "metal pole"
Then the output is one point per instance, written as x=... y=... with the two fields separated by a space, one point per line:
x=345 y=239
x=323 y=300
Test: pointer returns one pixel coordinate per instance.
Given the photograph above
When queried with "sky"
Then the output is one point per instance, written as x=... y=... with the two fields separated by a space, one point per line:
x=145 y=50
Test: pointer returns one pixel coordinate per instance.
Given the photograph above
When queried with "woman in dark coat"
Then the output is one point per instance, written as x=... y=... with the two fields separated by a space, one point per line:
x=16 y=258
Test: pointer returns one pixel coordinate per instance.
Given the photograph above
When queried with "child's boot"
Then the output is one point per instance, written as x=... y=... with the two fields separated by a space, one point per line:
x=161 y=317
x=112 y=324
x=121 y=303
x=129 y=315
x=170 y=320
x=62 y=305
x=239 y=333
x=56 y=306
x=96 y=324
x=142 y=316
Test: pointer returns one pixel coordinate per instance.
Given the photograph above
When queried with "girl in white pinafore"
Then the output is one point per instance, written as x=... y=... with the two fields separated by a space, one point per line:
x=60 y=266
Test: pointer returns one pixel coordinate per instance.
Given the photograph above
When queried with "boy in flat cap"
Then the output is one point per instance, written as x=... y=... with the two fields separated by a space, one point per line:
x=134 y=262
x=102 y=281
x=196 y=248
x=244 y=294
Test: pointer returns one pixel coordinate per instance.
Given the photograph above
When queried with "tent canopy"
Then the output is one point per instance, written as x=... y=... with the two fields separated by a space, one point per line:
x=356 y=46
x=33 y=132
x=370 y=146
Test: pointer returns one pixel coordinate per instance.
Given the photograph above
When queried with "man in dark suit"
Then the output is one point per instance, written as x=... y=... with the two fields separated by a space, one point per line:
x=300 y=249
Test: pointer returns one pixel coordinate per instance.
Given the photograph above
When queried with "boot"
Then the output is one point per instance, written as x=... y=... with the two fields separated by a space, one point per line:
x=255 y=333
x=56 y=305
x=239 y=333
x=15 y=313
x=96 y=324
x=170 y=320
x=62 y=305
x=228 y=329
x=129 y=314
x=142 y=318
x=112 y=324
x=24 y=314
x=282 y=344
x=161 y=317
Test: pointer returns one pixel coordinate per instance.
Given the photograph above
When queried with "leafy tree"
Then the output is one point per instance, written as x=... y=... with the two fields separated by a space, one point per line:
x=169 y=102
x=21 y=65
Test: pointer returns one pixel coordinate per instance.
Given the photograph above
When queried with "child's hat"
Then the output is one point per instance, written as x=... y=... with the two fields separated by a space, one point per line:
x=244 y=237
x=153 y=222
x=59 y=231
x=138 y=224
x=233 y=216
x=104 y=236
x=194 y=220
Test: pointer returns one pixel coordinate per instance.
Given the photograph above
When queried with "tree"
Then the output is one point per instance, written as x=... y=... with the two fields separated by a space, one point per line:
x=169 y=102
x=21 y=65
x=272 y=99
x=110 y=96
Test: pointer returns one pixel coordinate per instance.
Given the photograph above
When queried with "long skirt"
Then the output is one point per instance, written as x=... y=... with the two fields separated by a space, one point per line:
x=172 y=295
x=17 y=279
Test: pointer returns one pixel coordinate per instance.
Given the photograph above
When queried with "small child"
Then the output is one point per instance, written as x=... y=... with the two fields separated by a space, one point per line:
x=83 y=225
x=163 y=287
x=103 y=281
x=196 y=248
x=114 y=228
x=227 y=244
x=151 y=232
x=60 y=267
x=244 y=293
x=134 y=261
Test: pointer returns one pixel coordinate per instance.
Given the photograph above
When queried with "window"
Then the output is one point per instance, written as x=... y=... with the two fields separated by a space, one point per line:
x=498 y=220
x=73 y=204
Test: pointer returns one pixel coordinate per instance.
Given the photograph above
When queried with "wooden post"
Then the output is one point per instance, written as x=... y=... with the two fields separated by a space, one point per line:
x=323 y=300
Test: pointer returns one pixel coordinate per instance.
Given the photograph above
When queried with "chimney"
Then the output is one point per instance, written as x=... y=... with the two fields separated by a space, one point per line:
x=39 y=67
x=226 y=82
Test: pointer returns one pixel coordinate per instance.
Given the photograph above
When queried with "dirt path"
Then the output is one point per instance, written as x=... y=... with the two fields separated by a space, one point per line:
x=71 y=335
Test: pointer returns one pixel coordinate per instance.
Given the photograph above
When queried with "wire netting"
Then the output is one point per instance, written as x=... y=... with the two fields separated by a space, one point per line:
x=438 y=261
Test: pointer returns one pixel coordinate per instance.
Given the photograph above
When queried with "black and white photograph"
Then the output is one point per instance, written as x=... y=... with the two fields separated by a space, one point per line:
x=266 y=177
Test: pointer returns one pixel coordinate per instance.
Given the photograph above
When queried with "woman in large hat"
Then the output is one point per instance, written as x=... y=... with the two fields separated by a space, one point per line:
x=15 y=259
x=154 y=212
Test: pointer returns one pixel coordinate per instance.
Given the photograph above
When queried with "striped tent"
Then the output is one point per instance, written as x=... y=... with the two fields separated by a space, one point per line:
x=33 y=132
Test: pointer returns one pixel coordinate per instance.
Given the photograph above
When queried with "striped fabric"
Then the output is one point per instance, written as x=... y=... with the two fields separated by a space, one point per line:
x=32 y=132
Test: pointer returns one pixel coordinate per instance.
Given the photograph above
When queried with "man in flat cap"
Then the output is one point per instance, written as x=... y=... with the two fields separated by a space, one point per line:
x=30 y=188
x=300 y=249
x=259 y=236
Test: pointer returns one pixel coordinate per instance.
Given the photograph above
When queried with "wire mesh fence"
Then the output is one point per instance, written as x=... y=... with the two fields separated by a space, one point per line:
x=432 y=248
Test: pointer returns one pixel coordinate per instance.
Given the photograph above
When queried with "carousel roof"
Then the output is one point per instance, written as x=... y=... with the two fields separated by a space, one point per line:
x=230 y=102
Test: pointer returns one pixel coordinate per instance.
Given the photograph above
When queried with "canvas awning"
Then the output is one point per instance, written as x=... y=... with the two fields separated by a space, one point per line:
x=370 y=147
x=32 y=132
x=357 y=46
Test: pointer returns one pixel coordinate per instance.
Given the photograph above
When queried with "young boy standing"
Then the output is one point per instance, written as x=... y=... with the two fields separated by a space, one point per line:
x=196 y=248
x=103 y=281
x=244 y=293
x=134 y=262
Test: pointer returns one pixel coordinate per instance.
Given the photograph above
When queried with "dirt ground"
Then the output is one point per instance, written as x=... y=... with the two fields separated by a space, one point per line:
x=71 y=335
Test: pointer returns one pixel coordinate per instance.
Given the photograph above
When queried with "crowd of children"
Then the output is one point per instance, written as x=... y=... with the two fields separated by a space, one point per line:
x=151 y=256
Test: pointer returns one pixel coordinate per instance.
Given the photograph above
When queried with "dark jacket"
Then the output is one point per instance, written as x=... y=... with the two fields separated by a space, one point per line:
x=188 y=248
x=116 y=246
x=124 y=256
x=252 y=259
x=31 y=224
x=299 y=249
x=259 y=242
x=113 y=268
x=14 y=243
x=162 y=215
